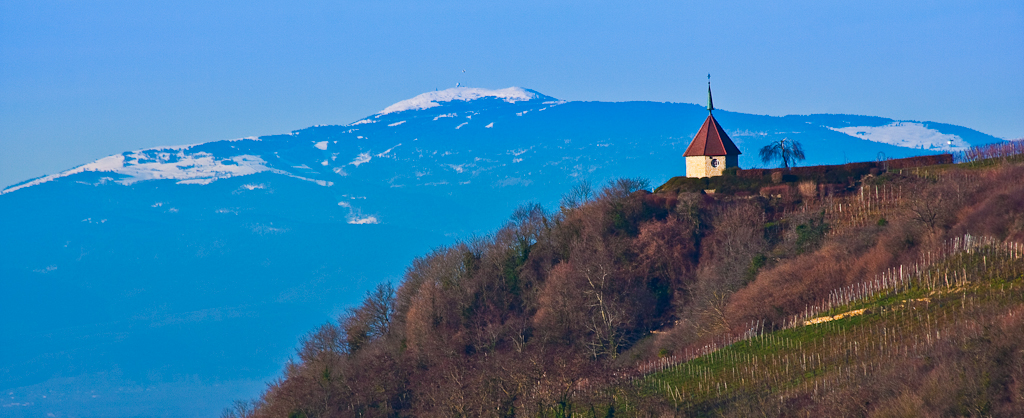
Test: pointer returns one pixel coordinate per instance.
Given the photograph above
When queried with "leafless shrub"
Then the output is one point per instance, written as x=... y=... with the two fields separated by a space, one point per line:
x=623 y=187
x=808 y=189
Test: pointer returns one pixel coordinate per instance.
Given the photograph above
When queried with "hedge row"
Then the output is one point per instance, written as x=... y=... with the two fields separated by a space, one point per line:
x=736 y=180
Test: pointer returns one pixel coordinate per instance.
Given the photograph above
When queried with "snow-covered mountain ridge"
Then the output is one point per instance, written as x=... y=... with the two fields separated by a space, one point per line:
x=432 y=99
x=191 y=165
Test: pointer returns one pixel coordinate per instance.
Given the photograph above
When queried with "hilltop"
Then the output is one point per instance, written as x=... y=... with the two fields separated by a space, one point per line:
x=900 y=294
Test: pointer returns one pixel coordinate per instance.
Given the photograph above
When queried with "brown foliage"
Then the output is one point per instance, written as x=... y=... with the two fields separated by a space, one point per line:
x=666 y=250
x=559 y=314
x=789 y=287
x=808 y=189
x=782 y=191
x=919 y=161
x=520 y=321
x=1001 y=210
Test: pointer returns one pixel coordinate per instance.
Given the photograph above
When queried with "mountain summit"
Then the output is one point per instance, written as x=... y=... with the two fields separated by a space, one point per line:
x=434 y=98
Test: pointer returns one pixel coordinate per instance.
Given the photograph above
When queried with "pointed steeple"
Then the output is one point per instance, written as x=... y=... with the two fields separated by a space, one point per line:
x=711 y=139
x=711 y=105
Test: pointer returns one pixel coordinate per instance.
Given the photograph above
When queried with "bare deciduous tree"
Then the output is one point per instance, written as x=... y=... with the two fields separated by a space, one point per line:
x=579 y=194
x=380 y=308
x=786 y=150
x=241 y=409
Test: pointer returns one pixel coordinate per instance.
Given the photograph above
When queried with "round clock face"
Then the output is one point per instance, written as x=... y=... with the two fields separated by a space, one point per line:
x=714 y=162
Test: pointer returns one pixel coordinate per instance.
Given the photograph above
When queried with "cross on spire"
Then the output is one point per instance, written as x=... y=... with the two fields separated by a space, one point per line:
x=711 y=105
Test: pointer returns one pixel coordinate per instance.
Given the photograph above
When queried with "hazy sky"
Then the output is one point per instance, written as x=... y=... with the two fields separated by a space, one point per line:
x=80 y=80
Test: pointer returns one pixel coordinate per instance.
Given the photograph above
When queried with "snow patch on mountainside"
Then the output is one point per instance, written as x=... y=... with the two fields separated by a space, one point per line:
x=177 y=163
x=364 y=220
x=323 y=183
x=355 y=217
x=198 y=168
x=159 y=164
x=386 y=152
x=432 y=99
x=196 y=181
x=361 y=159
x=905 y=134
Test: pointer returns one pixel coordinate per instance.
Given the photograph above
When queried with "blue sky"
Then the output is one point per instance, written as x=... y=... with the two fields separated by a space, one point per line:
x=82 y=80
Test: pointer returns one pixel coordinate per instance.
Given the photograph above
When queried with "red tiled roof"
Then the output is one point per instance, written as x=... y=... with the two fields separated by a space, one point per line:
x=711 y=140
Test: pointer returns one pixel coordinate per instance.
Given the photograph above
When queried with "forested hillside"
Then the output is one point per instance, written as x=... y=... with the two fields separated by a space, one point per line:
x=898 y=292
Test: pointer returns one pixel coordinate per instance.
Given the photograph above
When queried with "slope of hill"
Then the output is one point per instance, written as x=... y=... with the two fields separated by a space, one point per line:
x=901 y=295
x=135 y=282
x=940 y=337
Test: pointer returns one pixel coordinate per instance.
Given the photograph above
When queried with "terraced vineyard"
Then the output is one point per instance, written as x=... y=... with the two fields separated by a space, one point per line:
x=867 y=338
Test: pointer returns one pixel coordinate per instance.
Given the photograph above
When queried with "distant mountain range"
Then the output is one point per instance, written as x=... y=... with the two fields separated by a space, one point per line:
x=169 y=281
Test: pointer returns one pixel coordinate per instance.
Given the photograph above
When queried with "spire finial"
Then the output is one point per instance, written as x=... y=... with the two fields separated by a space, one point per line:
x=711 y=105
